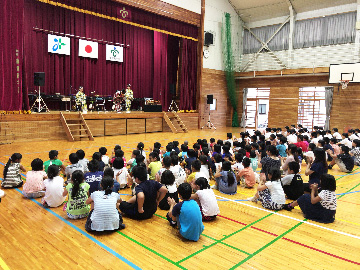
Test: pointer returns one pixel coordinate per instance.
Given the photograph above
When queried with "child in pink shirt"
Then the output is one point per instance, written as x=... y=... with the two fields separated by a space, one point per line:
x=34 y=185
x=247 y=174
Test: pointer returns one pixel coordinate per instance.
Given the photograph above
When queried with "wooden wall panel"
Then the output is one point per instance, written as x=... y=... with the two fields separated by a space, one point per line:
x=31 y=131
x=345 y=102
x=97 y=127
x=154 y=125
x=214 y=83
x=115 y=127
x=135 y=126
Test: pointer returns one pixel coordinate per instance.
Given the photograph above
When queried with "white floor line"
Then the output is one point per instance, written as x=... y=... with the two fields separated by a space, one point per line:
x=296 y=219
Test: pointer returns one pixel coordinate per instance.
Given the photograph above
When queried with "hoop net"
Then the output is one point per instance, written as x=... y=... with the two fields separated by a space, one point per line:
x=344 y=83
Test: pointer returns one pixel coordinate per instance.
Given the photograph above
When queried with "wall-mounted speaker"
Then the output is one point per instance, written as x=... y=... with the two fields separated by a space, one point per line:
x=209 y=39
x=39 y=78
x=209 y=99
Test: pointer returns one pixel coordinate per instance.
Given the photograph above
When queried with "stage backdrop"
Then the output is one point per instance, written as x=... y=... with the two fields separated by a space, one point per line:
x=150 y=62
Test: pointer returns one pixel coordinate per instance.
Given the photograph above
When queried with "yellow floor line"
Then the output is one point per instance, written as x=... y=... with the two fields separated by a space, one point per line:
x=3 y=265
x=348 y=221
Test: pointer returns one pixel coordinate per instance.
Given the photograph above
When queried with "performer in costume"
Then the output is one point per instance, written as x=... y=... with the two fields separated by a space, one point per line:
x=118 y=100
x=129 y=96
x=80 y=100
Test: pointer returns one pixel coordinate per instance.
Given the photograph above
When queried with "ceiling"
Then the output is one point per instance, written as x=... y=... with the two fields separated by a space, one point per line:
x=257 y=10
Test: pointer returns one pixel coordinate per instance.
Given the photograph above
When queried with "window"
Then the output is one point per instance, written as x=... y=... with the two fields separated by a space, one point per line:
x=312 y=109
x=262 y=108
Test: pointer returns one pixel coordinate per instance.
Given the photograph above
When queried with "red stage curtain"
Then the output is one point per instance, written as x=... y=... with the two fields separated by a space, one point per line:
x=188 y=75
x=161 y=86
x=11 y=49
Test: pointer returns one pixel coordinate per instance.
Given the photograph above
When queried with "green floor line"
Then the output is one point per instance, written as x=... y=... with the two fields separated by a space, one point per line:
x=207 y=236
x=222 y=239
x=151 y=250
x=349 y=191
x=267 y=245
x=347 y=175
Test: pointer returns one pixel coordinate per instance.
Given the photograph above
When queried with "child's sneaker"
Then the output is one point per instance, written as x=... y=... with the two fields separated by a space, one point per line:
x=288 y=207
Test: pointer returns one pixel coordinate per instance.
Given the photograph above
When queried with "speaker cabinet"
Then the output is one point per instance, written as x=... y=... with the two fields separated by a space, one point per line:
x=209 y=39
x=39 y=78
x=209 y=99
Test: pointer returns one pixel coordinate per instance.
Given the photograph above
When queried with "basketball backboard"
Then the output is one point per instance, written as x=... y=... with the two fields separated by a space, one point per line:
x=344 y=72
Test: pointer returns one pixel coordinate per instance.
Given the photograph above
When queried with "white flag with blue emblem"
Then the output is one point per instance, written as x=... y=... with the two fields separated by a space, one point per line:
x=114 y=53
x=58 y=44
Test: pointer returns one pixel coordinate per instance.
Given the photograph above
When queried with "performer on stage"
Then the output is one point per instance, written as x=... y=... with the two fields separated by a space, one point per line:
x=129 y=96
x=118 y=100
x=80 y=100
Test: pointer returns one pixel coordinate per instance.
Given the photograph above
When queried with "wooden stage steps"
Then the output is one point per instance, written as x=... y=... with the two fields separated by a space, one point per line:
x=174 y=122
x=76 y=129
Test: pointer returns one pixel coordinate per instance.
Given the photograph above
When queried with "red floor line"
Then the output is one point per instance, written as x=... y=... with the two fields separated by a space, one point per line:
x=292 y=241
x=349 y=202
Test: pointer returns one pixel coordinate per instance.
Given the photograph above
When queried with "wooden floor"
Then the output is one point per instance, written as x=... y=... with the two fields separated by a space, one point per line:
x=244 y=236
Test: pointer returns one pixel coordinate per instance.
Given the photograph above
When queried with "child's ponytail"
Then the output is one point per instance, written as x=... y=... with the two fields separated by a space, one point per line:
x=107 y=183
x=202 y=183
x=77 y=178
x=15 y=156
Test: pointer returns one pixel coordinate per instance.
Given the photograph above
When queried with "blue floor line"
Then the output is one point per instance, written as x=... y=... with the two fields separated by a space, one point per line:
x=111 y=251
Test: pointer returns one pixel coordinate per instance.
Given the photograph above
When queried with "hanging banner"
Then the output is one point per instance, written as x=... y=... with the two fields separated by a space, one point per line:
x=58 y=44
x=114 y=53
x=88 y=48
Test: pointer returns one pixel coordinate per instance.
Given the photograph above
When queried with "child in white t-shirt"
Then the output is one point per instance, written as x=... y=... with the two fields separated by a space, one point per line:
x=104 y=157
x=271 y=193
x=206 y=199
x=54 y=187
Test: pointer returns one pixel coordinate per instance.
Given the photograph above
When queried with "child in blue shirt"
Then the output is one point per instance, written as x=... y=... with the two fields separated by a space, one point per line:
x=186 y=214
x=282 y=147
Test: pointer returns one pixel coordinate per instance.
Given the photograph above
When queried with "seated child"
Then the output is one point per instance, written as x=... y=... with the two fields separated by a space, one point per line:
x=192 y=156
x=116 y=185
x=104 y=215
x=355 y=152
x=97 y=156
x=168 y=180
x=94 y=176
x=82 y=160
x=120 y=172
x=104 y=157
x=154 y=166
x=320 y=207
x=195 y=167
x=206 y=199
x=226 y=180
x=271 y=193
x=205 y=167
x=132 y=161
x=177 y=170
x=78 y=192
x=344 y=160
x=186 y=214
x=34 y=185
x=183 y=154
x=54 y=188
x=254 y=160
x=247 y=174
x=12 y=177
x=281 y=147
x=120 y=154
x=75 y=166
x=218 y=162
x=238 y=166
x=166 y=166
x=148 y=194
x=53 y=156
x=292 y=183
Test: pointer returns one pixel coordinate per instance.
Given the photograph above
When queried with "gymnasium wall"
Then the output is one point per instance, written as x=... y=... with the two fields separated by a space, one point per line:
x=284 y=93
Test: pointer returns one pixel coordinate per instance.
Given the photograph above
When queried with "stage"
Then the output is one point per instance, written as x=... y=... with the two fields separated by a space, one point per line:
x=47 y=126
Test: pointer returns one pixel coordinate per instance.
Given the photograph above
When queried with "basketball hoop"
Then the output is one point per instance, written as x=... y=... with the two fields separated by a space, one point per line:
x=344 y=83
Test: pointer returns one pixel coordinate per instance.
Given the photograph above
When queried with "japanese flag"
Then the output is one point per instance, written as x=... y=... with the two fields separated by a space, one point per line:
x=88 y=48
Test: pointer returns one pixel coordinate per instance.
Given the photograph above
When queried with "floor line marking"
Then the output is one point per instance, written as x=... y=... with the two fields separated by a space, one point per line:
x=295 y=242
x=267 y=245
x=296 y=219
x=3 y=265
x=212 y=238
x=349 y=190
x=222 y=239
x=348 y=202
x=106 y=248
x=351 y=222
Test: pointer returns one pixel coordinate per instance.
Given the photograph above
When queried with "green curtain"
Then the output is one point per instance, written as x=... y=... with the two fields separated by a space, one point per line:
x=229 y=67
